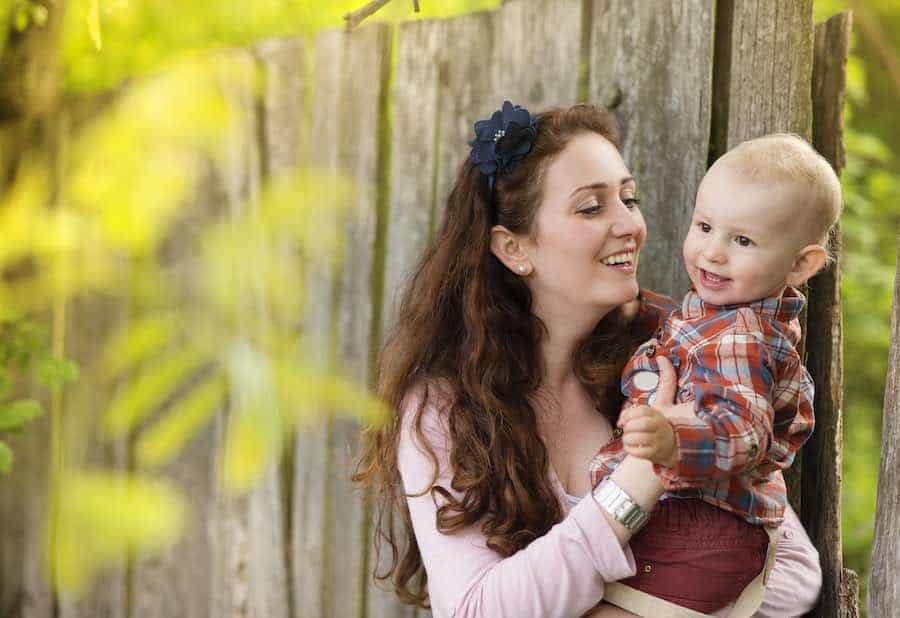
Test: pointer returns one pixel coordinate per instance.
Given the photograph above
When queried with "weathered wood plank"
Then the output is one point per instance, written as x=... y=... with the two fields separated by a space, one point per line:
x=285 y=127
x=652 y=65
x=536 y=51
x=884 y=581
x=821 y=462
x=765 y=63
x=250 y=574
x=365 y=67
x=90 y=321
x=311 y=511
x=24 y=579
x=465 y=93
x=414 y=108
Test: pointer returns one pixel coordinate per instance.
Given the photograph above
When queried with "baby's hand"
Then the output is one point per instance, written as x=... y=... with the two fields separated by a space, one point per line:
x=646 y=433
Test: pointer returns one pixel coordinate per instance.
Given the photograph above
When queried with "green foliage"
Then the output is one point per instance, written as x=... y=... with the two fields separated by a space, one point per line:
x=102 y=516
x=25 y=351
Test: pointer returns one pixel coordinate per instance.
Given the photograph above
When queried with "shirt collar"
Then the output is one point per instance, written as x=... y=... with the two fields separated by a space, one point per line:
x=782 y=308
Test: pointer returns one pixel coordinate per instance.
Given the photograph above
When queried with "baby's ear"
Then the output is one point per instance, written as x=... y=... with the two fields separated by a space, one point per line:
x=809 y=260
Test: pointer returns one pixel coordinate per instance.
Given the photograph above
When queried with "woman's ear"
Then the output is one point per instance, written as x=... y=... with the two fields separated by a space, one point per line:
x=509 y=249
x=809 y=260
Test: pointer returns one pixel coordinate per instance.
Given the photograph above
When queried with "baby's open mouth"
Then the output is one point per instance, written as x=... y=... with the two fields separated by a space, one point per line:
x=712 y=279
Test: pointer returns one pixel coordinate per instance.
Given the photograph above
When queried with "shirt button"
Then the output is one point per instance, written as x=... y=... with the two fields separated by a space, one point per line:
x=650 y=351
x=647 y=568
x=753 y=451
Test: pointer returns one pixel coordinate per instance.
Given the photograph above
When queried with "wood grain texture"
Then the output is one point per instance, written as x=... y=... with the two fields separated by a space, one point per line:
x=311 y=513
x=285 y=129
x=652 y=65
x=367 y=54
x=414 y=107
x=821 y=461
x=24 y=578
x=249 y=570
x=91 y=320
x=884 y=581
x=769 y=68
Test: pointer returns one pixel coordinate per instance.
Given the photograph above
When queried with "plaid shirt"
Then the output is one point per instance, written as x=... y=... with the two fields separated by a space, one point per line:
x=753 y=400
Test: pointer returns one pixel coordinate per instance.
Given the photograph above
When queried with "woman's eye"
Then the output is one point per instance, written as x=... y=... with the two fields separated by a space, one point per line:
x=743 y=241
x=705 y=228
x=631 y=202
x=590 y=209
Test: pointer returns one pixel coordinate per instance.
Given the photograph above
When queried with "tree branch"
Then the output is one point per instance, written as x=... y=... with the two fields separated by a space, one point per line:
x=355 y=18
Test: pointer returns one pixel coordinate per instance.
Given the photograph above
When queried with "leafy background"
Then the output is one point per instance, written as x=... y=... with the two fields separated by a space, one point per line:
x=110 y=46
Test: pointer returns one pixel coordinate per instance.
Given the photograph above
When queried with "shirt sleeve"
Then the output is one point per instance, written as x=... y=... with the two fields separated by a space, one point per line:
x=796 y=578
x=732 y=384
x=560 y=574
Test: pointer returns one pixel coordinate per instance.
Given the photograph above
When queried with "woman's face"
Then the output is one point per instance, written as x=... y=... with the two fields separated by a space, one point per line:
x=589 y=231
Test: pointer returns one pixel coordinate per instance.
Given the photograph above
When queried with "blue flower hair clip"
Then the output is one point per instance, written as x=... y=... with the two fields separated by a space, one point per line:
x=505 y=137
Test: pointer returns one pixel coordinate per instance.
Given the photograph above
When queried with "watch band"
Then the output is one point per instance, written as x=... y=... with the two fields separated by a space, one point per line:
x=616 y=501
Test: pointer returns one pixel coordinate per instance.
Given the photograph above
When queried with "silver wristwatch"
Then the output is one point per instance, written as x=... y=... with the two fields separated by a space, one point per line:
x=620 y=505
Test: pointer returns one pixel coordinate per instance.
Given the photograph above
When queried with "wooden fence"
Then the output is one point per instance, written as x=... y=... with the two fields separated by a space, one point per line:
x=393 y=108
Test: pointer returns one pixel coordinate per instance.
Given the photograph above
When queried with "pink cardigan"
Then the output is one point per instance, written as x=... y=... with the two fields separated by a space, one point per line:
x=561 y=574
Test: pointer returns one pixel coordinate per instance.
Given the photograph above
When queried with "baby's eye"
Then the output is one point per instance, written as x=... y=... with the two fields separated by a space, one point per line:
x=705 y=227
x=631 y=202
x=743 y=241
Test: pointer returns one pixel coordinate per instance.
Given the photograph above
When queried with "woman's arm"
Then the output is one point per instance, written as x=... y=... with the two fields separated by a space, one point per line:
x=560 y=574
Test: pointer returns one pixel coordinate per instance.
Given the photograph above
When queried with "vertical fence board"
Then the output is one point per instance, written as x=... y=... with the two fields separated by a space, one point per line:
x=414 y=108
x=250 y=577
x=769 y=69
x=285 y=132
x=90 y=321
x=465 y=93
x=536 y=53
x=24 y=583
x=821 y=476
x=884 y=581
x=366 y=55
x=311 y=512
x=652 y=65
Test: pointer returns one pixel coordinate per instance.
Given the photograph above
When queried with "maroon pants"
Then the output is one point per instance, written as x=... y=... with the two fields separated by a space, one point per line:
x=696 y=555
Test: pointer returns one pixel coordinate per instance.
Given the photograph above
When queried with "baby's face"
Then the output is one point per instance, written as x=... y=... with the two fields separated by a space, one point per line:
x=743 y=237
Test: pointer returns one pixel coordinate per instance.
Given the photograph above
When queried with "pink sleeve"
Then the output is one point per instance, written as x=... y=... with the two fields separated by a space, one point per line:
x=560 y=574
x=796 y=579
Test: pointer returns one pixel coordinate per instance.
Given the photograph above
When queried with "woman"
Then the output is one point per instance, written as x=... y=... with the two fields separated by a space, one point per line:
x=503 y=371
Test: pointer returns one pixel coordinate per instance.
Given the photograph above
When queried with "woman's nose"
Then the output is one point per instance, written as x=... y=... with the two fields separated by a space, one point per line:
x=626 y=223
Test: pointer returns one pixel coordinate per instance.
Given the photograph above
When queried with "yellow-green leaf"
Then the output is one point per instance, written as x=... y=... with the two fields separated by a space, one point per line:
x=182 y=422
x=6 y=458
x=15 y=414
x=138 y=341
x=151 y=387
x=93 y=20
x=102 y=517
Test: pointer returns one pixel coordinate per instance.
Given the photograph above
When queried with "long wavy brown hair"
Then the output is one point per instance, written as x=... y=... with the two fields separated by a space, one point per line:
x=466 y=322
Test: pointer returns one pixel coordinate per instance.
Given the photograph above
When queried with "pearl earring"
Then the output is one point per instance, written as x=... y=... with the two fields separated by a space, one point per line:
x=521 y=269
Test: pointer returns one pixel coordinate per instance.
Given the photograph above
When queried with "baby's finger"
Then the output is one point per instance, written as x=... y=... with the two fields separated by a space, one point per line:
x=639 y=439
x=644 y=452
x=633 y=413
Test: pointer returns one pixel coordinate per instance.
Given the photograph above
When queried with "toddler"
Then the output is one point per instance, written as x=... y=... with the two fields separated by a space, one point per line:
x=759 y=230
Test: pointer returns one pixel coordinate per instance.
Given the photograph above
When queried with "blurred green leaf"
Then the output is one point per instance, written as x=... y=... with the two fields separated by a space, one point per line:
x=55 y=372
x=160 y=442
x=150 y=388
x=142 y=339
x=15 y=414
x=6 y=458
x=103 y=517
x=94 y=23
